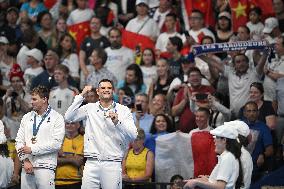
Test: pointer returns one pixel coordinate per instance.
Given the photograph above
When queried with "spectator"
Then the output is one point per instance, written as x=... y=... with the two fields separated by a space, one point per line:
x=278 y=7
x=60 y=28
x=138 y=163
x=6 y=163
x=240 y=76
x=164 y=79
x=161 y=125
x=80 y=14
x=177 y=182
x=170 y=31
x=219 y=112
x=46 y=31
x=142 y=23
x=141 y=116
x=174 y=47
x=133 y=79
x=66 y=7
x=228 y=172
x=196 y=22
x=70 y=158
x=148 y=67
x=280 y=116
x=125 y=11
x=34 y=61
x=126 y=97
x=204 y=160
x=16 y=99
x=159 y=105
x=119 y=57
x=62 y=96
x=246 y=160
x=186 y=102
x=95 y=40
x=46 y=78
x=271 y=29
x=98 y=60
x=12 y=17
x=224 y=27
x=91 y=96
x=31 y=9
x=255 y=25
x=274 y=70
x=68 y=56
x=6 y=63
x=260 y=146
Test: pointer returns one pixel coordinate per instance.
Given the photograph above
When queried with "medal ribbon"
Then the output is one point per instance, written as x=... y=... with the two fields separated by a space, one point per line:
x=105 y=110
x=36 y=127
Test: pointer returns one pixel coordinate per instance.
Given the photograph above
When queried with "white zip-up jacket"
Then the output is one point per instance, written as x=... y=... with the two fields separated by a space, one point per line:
x=49 y=139
x=103 y=140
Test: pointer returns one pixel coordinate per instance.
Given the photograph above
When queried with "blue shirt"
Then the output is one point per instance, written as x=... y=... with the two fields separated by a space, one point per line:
x=33 y=12
x=262 y=135
x=121 y=84
x=145 y=122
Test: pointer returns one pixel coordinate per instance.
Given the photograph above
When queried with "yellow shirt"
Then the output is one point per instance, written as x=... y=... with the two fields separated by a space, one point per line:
x=70 y=147
x=136 y=163
x=12 y=149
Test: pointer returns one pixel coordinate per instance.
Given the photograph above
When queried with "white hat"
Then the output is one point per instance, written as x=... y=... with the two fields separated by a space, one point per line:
x=36 y=54
x=241 y=127
x=225 y=14
x=3 y=138
x=4 y=40
x=270 y=24
x=225 y=131
x=146 y=2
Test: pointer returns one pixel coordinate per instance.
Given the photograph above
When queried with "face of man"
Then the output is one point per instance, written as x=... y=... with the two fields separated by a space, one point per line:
x=158 y=102
x=194 y=79
x=251 y=112
x=142 y=9
x=196 y=21
x=37 y=102
x=95 y=25
x=241 y=64
x=243 y=34
x=50 y=61
x=115 y=39
x=170 y=22
x=278 y=6
x=201 y=119
x=59 y=76
x=143 y=101
x=105 y=91
x=279 y=48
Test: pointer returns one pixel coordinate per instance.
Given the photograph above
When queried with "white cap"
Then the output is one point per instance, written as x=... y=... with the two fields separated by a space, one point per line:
x=241 y=127
x=270 y=24
x=225 y=131
x=225 y=14
x=36 y=54
x=4 y=40
x=146 y=2
x=3 y=138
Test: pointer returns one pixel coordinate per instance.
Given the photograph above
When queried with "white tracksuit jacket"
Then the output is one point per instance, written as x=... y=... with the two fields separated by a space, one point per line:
x=49 y=139
x=103 y=140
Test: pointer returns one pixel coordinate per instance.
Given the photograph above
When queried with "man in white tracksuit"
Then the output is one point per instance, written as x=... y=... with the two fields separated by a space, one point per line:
x=38 y=140
x=109 y=129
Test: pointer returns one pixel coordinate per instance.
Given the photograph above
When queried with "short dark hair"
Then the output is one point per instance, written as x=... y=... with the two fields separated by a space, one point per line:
x=41 y=15
x=101 y=53
x=176 y=41
x=114 y=29
x=194 y=69
x=246 y=28
x=207 y=37
x=258 y=85
x=41 y=91
x=240 y=54
x=250 y=103
x=257 y=10
x=175 y=177
x=63 y=68
x=105 y=80
x=205 y=110
x=198 y=11
x=173 y=15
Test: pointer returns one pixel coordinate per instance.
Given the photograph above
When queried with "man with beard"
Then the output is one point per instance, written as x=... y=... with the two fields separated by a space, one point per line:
x=119 y=57
x=109 y=129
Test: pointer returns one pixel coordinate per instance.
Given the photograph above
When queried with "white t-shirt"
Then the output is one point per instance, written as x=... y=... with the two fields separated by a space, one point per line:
x=160 y=17
x=31 y=73
x=146 y=26
x=269 y=85
x=79 y=15
x=163 y=39
x=205 y=31
x=255 y=29
x=72 y=62
x=118 y=60
x=61 y=99
x=6 y=171
x=227 y=170
x=149 y=75
x=247 y=166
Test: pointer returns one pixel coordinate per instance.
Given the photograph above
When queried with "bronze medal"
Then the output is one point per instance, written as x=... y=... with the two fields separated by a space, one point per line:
x=33 y=140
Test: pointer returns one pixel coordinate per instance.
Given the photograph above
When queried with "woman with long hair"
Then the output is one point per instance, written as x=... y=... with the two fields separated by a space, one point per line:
x=228 y=172
x=133 y=79
x=67 y=55
x=148 y=67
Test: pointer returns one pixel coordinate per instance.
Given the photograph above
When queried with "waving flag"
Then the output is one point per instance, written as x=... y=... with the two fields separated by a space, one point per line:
x=79 y=32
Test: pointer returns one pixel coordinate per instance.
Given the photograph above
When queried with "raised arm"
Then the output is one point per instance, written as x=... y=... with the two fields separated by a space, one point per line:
x=212 y=63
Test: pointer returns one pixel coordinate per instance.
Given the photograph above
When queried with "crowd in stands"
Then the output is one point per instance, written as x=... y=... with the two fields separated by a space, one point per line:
x=166 y=90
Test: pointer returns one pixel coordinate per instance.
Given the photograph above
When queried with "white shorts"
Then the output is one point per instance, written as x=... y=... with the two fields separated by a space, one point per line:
x=41 y=179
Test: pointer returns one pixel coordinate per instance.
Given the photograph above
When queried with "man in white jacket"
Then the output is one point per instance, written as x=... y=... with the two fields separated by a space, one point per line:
x=109 y=129
x=38 y=140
